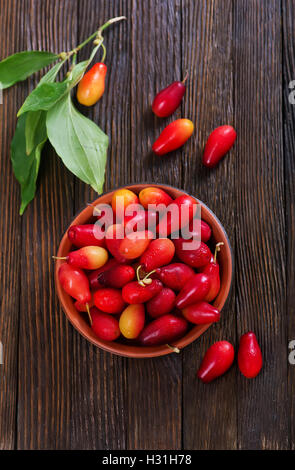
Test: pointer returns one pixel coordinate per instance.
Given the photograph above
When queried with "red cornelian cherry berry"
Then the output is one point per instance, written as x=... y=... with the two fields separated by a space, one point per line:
x=114 y=237
x=212 y=270
x=93 y=275
x=183 y=210
x=143 y=220
x=157 y=196
x=217 y=360
x=74 y=281
x=175 y=275
x=173 y=136
x=135 y=293
x=159 y=253
x=195 y=290
x=162 y=303
x=194 y=257
x=91 y=86
x=135 y=243
x=218 y=144
x=86 y=235
x=109 y=300
x=201 y=313
x=117 y=276
x=206 y=231
x=88 y=257
x=163 y=330
x=132 y=321
x=168 y=99
x=249 y=355
x=105 y=327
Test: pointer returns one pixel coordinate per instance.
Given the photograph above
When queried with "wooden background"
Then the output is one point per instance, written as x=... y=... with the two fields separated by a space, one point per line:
x=56 y=390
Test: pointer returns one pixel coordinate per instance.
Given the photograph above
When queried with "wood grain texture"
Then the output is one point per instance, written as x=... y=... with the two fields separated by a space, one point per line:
x=45 y=350
x=99 y=379
x=207 y=55
x=263 y=419
x=10 y=235
x=288 y=12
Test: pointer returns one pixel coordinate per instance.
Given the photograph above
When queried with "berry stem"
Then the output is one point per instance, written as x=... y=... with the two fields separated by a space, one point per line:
x=89 y=314
x=174 y=348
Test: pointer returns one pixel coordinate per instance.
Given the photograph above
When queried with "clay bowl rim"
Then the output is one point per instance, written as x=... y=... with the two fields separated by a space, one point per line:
x=127 y=350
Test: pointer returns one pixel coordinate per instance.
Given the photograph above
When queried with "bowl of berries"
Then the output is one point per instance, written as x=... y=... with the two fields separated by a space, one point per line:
x=144 y=270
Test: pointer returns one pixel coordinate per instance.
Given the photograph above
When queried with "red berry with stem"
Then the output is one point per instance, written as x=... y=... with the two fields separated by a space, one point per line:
x=106 y=327
x=218 y=144
x=175 y=275
x=168 y=99
x=162 y=303
x=249 y=355
x=201 y=313
x=159 y=253
x=109 y=300
x=212 y=270
x=217 y=360
x=88 y=257
x=142 y=290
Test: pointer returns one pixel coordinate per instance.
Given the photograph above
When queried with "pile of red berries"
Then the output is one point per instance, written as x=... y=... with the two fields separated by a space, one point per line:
x=143 y=286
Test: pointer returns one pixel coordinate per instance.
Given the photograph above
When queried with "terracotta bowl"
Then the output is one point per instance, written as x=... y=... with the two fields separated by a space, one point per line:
x=80 y=322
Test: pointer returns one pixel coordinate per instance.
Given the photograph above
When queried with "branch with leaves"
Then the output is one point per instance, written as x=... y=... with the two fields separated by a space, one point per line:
x=48 y=113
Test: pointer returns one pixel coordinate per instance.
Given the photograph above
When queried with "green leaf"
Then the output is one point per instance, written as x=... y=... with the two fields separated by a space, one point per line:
x=43 y=97
x=19 y=66
x=35 y=126
x=46 y=93
x=26 y=167
x=79 y=142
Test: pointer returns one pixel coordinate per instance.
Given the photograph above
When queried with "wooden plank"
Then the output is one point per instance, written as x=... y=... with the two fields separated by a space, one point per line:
x=263 y=418
x=288 y=12
x=45 y=349
x=155 y=388
x=12 y=22
x=209 y=420
x=98 y=378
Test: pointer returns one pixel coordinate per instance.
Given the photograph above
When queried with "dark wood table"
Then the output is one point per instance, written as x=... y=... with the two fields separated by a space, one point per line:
x=57 y=391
